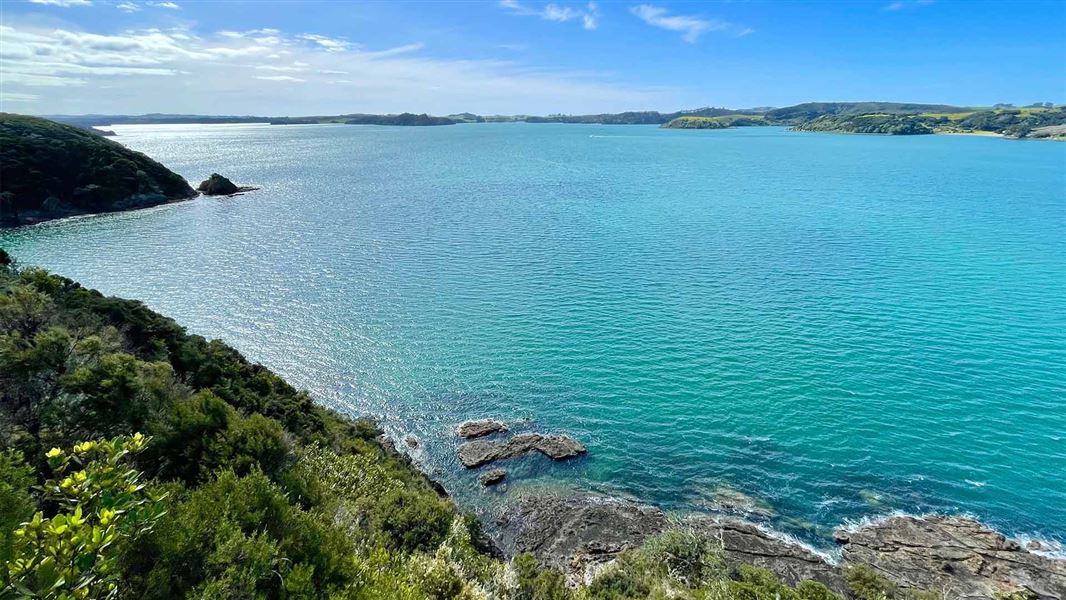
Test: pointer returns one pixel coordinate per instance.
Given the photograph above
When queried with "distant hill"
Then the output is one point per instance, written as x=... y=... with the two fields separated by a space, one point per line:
x=812 y=110
x=1016 y=123
x=50 y=170
x=722 y=122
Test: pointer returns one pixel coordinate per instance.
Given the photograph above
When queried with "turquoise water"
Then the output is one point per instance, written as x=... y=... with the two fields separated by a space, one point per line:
x=839 y=326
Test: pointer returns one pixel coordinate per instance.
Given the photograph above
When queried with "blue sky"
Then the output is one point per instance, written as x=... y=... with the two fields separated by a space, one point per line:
x=520 y=56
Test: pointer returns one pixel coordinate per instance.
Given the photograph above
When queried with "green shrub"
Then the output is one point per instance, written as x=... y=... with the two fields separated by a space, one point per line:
x=103 y=505
x=536 y=583
x=16 y=503
x=688 y=556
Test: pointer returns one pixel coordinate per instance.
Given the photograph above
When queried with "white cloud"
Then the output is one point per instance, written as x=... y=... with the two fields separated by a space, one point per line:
x=278 y=78
x=128 y=7
x=293 y=68
x=904 y=4
x=255 y=72
x=405 y=49
x=11 y=97
x=690 y=27
x=170 y=5
x=63 y=3
x=330 y=44
x=589 y=14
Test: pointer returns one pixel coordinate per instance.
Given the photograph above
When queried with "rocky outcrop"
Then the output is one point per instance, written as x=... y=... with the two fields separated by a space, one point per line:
x=579 y=533
x=747 y=543
x=951 y=553
x=492 y=477
x=482 y=452
x=476 y=429
x=217 y=185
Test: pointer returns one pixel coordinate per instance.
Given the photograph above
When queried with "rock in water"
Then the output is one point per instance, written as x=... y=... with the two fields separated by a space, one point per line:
x=476 y=429
x=560 y=447
x=492 y=477
x=217 y=185
x=481 y=452
x=952 y=553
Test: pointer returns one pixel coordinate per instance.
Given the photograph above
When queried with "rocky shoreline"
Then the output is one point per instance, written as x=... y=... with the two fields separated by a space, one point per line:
x=962 y=558
x=580 y=533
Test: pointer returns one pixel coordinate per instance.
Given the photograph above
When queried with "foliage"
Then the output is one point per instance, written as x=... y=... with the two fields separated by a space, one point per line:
x=16 y=503
x=48 y=170
x=812 y=110
x=103 y=504
x=1014 y=123
x=871 y=123
x=535 y=583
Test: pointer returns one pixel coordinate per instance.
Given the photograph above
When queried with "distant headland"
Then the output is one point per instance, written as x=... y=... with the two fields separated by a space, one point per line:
x=1039 y=120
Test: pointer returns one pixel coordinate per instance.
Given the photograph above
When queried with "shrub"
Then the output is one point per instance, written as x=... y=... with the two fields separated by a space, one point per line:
x=102 y=506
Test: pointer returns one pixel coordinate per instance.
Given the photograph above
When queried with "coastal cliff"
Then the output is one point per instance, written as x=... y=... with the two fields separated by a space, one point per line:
x=49 y=170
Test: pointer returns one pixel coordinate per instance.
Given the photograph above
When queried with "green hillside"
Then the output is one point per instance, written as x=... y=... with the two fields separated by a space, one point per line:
x=49 y=170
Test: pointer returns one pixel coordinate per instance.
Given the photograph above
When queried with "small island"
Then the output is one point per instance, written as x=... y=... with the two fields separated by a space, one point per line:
x=217 y=185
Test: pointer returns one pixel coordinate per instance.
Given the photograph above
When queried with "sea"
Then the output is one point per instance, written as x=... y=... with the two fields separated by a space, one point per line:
x=805 y=329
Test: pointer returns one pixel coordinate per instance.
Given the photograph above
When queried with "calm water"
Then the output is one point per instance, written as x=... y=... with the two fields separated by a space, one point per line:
x=838 y=326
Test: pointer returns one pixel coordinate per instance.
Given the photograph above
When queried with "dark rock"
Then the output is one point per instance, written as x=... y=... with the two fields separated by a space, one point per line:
x=747 y=543
x=953 y=553
x=577 y=533
x=560 y=447
x=481 y=452
x=580 y=533
x=411 y=441
x=476 y=429
x=217 y=185
x=492 y=477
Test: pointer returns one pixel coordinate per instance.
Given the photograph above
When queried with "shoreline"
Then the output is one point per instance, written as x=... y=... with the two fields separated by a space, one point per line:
x=580 y=532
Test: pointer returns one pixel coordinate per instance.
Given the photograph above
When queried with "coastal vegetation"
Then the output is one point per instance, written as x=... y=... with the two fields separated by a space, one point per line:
x=1015 y=123
x=50 y=170
x=722 y=122
x=141 y=461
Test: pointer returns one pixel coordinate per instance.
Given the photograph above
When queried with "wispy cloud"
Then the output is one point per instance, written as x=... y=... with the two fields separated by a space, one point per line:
x=185 y=70
x=690 y=27
x=330 y=44
x=589 y=14
x=405 y=49
x=170 y=5
x=128 y=7
x=279 y=78
x=904 y=4
x=64 y=3
x=13 y=97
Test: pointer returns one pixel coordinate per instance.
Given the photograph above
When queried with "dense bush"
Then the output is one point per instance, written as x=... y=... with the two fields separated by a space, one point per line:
x=48 y=170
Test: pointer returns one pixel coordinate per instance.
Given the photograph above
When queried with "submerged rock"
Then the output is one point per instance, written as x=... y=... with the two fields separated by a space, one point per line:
x=217 y=185
x=492 y=477
x=476 y=429
x=410 y=440
x=953 y=553
x=481 y=452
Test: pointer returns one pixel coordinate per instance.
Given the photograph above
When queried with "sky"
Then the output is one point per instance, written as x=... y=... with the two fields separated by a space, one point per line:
x=279 y=58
